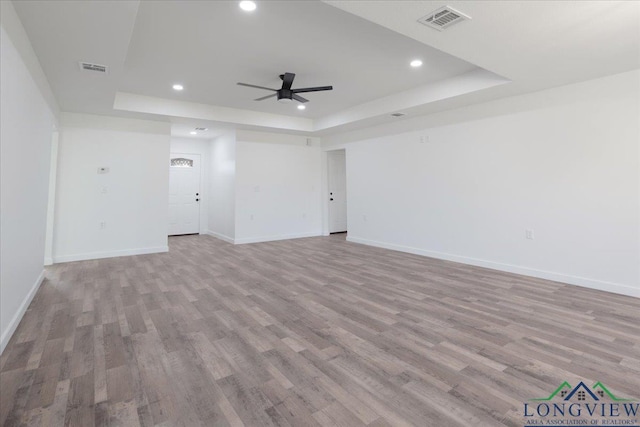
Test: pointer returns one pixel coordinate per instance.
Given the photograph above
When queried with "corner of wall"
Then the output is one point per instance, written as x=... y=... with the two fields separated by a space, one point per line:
x=17 y=317
x=223 y=237
x=222 y=184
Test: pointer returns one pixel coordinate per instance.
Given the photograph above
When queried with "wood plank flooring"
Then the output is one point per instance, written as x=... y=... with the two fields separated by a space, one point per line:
x=306 y=332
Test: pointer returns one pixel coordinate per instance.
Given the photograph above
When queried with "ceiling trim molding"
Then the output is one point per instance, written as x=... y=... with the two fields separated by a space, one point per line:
x=469 y=82
x=381 y=108
x=171 y=108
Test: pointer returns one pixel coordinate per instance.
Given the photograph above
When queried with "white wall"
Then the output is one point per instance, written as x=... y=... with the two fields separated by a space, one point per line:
x=277 y=187
x=562 y=162
x=222 y=178
x=203 y=148
x=26 y=126
x=132 y=198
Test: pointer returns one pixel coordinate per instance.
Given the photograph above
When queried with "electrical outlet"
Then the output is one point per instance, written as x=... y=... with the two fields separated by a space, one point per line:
x=251 y=217
x=528 y=233
x=256 y=189
x=103 y=225
x=424 y=138
x=304 y=216
x=103 y=190
x=364 y=218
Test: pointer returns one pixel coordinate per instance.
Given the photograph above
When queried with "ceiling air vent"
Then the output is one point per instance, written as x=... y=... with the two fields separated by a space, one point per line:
x=87 y=66
x=202 y=129
x=398 y=114
x=443 y=18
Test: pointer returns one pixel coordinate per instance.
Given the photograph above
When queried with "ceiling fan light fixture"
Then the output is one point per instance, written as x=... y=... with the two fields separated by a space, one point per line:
x=177 y=87
x=301 y=107
x=285 y=100
x=248 y=6
x=416 y=63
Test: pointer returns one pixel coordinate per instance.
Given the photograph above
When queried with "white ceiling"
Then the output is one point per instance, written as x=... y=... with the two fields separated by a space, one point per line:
x=63 y=33
x=212 y=45
x=362 y=48
x=540 y=43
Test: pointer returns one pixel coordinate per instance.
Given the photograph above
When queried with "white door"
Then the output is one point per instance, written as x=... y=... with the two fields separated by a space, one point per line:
x=184 y=194
x=337 y=174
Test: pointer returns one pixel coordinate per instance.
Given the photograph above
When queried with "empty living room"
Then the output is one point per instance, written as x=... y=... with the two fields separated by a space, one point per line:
x=319 y=213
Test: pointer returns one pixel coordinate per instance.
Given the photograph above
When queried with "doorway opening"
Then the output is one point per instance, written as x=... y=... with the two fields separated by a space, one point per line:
x=184 y=194
x=337 y=185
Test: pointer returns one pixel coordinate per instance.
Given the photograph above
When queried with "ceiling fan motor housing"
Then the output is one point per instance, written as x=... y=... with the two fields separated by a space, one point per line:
x=285 y=95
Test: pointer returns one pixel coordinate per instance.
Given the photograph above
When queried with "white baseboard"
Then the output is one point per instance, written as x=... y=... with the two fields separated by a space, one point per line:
x=276 y=237
x=15 y=321
x=220 y=236
x=525 y=271
x=109 y=254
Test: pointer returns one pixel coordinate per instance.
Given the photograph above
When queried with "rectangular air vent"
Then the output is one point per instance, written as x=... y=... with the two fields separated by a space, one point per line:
x=87 y=66
x=201 y=129
x=398 y=114
x=443 y=18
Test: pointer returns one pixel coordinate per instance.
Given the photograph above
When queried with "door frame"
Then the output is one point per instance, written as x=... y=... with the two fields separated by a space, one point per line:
x=324 y=194
x=201 y=183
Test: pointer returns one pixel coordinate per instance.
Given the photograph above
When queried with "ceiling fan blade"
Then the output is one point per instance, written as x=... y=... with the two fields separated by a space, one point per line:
x=257 y=87
x=265 y=97
x=312 y=89
x=287 y=80
x=299 y=98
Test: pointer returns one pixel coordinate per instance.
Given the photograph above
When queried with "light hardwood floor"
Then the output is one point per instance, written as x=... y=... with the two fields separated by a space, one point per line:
x=305 y=332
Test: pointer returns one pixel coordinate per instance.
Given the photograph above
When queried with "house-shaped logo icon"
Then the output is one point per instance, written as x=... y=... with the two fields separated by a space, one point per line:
x=582 y=392
x=567 y=404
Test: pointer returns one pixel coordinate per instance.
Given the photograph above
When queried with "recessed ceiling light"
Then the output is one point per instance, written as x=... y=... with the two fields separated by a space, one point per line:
x=415 y=63
x=193 y=132
x=301 y=107
x=248 y=6
x=177 y=87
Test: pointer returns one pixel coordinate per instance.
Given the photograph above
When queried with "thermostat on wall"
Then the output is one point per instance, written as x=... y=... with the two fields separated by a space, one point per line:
x=103 y=169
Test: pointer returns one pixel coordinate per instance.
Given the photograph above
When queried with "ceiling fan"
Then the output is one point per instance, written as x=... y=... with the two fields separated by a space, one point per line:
x=285 y=93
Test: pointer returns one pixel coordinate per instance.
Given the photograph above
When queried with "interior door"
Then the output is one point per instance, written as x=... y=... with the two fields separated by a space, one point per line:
x=337 y=174
x=184 y=194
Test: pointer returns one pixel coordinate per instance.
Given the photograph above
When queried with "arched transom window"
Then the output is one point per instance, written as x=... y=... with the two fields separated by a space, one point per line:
x=180 y=162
